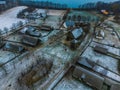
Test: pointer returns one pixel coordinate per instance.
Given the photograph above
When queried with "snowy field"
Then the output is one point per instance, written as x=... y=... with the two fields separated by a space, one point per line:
x=9 y=17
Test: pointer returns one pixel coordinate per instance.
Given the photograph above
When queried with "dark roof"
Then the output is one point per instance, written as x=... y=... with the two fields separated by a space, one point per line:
x=115 y=87
x=13 y=48
x=86 y=62
x=100 y=50
x=30 y=40
x=82 y=24
x=77 y=32
x=46 y=28
x=88 y=77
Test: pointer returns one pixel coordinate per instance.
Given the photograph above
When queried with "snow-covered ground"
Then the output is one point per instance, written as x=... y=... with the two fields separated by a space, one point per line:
x=56 y=12
x=105 y=61
x=9 y=17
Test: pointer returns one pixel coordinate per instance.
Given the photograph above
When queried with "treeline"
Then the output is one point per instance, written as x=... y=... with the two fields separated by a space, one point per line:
x=114 y=7
x=43 y=4
x=9 y=4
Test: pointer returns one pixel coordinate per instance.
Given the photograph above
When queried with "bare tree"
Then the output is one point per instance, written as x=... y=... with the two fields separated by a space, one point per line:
x=0 y=32
x=20 y=23
x=6 y=29
x=74 y=17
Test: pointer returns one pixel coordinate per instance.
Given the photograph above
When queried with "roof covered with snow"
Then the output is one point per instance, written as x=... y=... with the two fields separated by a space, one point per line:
x=77 y=32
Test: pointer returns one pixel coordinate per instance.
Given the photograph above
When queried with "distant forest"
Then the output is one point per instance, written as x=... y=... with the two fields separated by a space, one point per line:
x=8 y=4
x=43 y=4
x=114 y=7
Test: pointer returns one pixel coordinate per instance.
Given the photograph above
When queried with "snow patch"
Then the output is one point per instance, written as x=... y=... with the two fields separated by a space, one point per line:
x=9 y=17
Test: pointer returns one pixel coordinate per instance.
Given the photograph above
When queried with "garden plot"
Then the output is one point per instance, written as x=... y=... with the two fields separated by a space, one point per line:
x=56 y=53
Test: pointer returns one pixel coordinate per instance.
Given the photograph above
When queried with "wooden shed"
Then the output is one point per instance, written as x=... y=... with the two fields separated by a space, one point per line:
x=29 y=40
x=101 y=50
x=13 y=48
x=88 y=77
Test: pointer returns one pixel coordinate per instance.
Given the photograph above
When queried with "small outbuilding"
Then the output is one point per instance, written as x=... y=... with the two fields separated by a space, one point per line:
x=90 y=78
x=46 y=28
x=100 y=34
x=101 y=50
x=34 y=33
x=13 y=48
x=29 y=40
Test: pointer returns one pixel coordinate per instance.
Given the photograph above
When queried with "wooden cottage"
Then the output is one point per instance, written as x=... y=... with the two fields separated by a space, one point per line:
x=75 y=34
